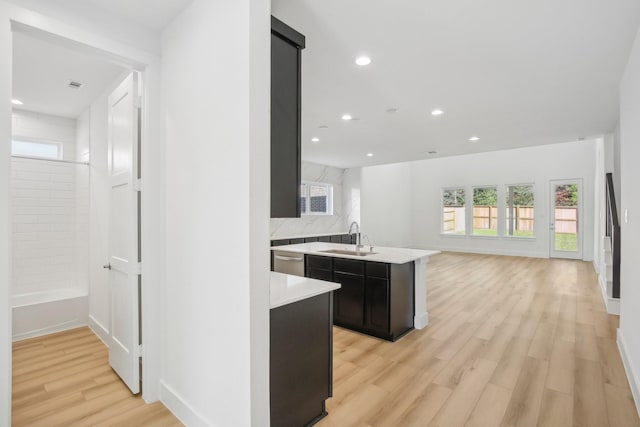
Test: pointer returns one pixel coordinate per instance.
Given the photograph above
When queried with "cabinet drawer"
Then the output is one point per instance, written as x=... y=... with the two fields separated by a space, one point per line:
x=316 y=273
x=348 y=266
x=321 y=262
x=378 y=269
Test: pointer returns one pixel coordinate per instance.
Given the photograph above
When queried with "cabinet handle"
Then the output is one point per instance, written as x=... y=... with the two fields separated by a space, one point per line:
x=287 y=258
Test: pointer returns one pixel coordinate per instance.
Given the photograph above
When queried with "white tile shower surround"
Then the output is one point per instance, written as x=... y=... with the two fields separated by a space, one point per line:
x=50 y=225
x=313 y=225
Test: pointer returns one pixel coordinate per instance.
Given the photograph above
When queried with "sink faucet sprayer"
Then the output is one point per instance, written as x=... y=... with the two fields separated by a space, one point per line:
x=358 y=241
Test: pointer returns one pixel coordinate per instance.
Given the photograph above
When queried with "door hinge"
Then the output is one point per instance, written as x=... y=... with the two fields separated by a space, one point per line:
x=139 y=268
x=138 y=101
x=137 y=185
x=139 y=350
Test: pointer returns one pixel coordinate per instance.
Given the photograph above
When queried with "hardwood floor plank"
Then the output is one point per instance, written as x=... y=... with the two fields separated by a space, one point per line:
x=589 y=406
x=556 y=410
x=76 y=386
x=491 y=407
x=511 y=341
x=561 y=367
x=524 y=406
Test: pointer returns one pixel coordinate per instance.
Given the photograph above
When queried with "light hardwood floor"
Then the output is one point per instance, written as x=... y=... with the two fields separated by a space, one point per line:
x=511 y=342
x=65 y=379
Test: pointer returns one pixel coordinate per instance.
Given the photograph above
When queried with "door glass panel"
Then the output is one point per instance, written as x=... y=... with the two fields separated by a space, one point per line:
x=566 y=218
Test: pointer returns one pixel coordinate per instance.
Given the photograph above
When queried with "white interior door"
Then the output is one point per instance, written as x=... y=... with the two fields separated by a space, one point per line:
x=565 y=216
x=124 y=278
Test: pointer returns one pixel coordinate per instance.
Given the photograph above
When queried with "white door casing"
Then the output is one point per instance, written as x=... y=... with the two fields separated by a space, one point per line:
x=560 y=247
x=124 y=274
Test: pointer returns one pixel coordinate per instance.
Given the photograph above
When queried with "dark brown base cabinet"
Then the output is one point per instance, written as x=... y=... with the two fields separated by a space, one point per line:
x=301 y=364
x=375 y=298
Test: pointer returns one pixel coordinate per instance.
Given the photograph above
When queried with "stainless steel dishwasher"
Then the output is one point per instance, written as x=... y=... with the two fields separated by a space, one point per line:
x=288 y=262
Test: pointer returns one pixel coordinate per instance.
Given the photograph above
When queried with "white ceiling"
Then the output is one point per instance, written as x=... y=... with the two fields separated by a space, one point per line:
x=514 y=73
x=152 y=14
x=41 y=72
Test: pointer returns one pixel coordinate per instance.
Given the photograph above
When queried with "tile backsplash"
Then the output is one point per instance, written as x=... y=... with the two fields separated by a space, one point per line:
x=317 y=224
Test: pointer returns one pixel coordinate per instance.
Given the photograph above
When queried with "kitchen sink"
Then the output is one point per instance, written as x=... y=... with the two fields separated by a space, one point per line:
x=348 y=252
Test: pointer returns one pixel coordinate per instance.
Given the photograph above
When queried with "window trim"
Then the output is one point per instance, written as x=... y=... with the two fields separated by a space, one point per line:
x=506 y=189
x=307 y=197
x=42 y=141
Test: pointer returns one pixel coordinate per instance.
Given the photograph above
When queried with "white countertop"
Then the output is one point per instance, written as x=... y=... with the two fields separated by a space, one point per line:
x=286 y=288
x=381 y=254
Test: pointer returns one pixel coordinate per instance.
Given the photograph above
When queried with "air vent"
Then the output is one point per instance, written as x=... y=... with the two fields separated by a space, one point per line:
x=75 y=85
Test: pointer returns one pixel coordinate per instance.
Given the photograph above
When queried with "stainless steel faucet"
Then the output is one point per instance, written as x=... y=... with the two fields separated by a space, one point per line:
x=358 y=241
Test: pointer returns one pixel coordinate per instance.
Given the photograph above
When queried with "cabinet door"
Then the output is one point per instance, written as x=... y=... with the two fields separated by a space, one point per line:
x=348 y=307
x=285 y=128
x=377 y=305
x=315 y=273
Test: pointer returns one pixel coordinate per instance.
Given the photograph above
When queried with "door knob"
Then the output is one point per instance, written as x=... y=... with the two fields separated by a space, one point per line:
x=107 y=266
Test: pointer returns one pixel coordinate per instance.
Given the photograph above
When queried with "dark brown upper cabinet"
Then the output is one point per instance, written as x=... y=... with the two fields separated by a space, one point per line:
x=286 y=61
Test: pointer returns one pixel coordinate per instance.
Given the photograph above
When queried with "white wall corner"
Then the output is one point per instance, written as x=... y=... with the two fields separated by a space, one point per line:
x=632 y=375
x=180 y=408
x=98 y=329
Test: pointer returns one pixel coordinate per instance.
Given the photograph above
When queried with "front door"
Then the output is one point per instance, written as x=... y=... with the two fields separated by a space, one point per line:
x=565 y=219
x=124 y=278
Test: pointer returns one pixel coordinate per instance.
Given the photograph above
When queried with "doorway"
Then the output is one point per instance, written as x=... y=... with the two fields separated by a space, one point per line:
x=75 y=196
x=565 y=219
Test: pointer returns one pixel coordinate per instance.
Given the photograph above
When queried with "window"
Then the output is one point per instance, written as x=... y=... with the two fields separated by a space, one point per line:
x=453 y=214
x=485 y=211
x=520 y=211
x=316 y=198
x=41 y=150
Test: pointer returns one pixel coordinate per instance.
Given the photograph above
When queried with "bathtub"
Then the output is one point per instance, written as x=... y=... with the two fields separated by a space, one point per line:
x=42 y=313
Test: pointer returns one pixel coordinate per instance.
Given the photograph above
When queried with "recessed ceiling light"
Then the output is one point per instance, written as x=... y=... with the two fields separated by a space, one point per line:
x=363 y=60
x=474 y=138
x=16 y=102
x=315 y=139
x=369 y=154
x=437 y=112
x=323 y=127
x=347 y=117
x=392 y=110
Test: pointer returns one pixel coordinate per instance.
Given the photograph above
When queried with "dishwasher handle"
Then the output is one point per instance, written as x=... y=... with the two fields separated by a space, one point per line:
x=287 y=258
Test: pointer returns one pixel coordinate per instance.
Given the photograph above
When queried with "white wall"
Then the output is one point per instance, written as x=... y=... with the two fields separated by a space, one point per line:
x=217 y=229
x=5 y=216
x=629 y=333
x=308 y=225
x=386 y=205
x=401 y=202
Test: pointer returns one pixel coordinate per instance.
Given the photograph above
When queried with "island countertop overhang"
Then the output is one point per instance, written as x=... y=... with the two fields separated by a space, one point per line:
x=380 y=253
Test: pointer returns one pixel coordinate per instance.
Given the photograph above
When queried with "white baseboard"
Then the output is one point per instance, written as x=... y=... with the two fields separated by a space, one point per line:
x=632 y=376
x=98 y=329
x=61 y=327
x=612 y=304
x=180 y=408
x=419 y=322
